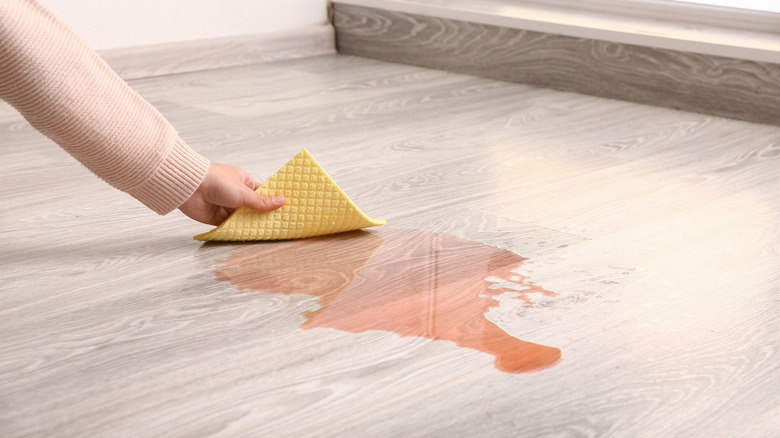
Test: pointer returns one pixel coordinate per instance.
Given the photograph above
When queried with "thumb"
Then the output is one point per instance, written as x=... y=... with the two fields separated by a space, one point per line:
x=259 y=202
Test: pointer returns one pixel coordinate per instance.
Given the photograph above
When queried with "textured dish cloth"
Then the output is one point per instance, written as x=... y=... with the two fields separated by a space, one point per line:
x=314 y=206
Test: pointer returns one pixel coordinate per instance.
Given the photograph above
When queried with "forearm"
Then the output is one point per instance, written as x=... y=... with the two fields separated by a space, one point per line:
x=69 y=94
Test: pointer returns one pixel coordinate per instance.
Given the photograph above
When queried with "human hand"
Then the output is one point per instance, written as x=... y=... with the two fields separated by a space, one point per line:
x=224 y=189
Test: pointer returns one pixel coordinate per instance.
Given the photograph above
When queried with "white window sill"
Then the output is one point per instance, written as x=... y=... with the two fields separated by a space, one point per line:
x=732 y=33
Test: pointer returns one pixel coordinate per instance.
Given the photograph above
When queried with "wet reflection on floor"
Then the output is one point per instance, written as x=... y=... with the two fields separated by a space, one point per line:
x=409 y=282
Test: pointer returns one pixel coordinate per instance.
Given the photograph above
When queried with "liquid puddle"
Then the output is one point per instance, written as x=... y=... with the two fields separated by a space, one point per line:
x=409 y=282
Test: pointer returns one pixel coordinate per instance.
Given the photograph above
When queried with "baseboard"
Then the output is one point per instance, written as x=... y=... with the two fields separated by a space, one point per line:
x=721 y=86
x=163 y=59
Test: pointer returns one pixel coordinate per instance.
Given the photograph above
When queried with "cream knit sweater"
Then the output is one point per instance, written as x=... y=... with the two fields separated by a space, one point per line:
x=68 y=93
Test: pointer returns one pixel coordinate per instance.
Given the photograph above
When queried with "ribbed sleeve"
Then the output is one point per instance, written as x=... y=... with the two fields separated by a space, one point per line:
x=63 y=88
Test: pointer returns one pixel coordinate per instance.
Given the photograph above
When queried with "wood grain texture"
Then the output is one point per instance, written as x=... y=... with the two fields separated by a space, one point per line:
x=740 y=89
x=657 y=231
x=170 y=58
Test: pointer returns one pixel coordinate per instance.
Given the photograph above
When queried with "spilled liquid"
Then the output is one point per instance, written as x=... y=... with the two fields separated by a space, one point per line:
x=409 y=282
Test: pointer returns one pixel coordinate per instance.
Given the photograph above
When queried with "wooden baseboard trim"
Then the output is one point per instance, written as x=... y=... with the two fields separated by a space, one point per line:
x=164 y=59
x=726 y=87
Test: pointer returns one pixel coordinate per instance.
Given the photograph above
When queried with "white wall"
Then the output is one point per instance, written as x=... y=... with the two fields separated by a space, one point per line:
x=757 y=5
x=108 y=24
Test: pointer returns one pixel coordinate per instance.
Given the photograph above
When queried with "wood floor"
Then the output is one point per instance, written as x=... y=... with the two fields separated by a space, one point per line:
x=553 y=265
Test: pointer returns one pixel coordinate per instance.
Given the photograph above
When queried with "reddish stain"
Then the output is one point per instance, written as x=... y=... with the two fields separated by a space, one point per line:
x=412 y=283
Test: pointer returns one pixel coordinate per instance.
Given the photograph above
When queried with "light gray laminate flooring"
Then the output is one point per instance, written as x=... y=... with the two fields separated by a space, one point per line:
x=638 y=243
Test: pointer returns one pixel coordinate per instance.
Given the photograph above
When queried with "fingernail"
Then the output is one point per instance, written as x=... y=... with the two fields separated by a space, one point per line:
x=278 y=199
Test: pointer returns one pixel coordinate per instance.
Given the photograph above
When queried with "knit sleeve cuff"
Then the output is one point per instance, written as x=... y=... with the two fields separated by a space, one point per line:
x=174 y=181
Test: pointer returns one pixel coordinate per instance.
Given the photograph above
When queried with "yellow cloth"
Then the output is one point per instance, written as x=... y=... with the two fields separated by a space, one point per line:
x=314 y=206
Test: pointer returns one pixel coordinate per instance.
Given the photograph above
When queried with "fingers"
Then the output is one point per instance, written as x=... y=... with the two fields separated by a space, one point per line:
x=223 y=190
x=251 y=182
x=219 y=216
x=260 y=202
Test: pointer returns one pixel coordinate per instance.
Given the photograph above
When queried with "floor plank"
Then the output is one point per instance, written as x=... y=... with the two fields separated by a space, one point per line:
x=655 y=232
